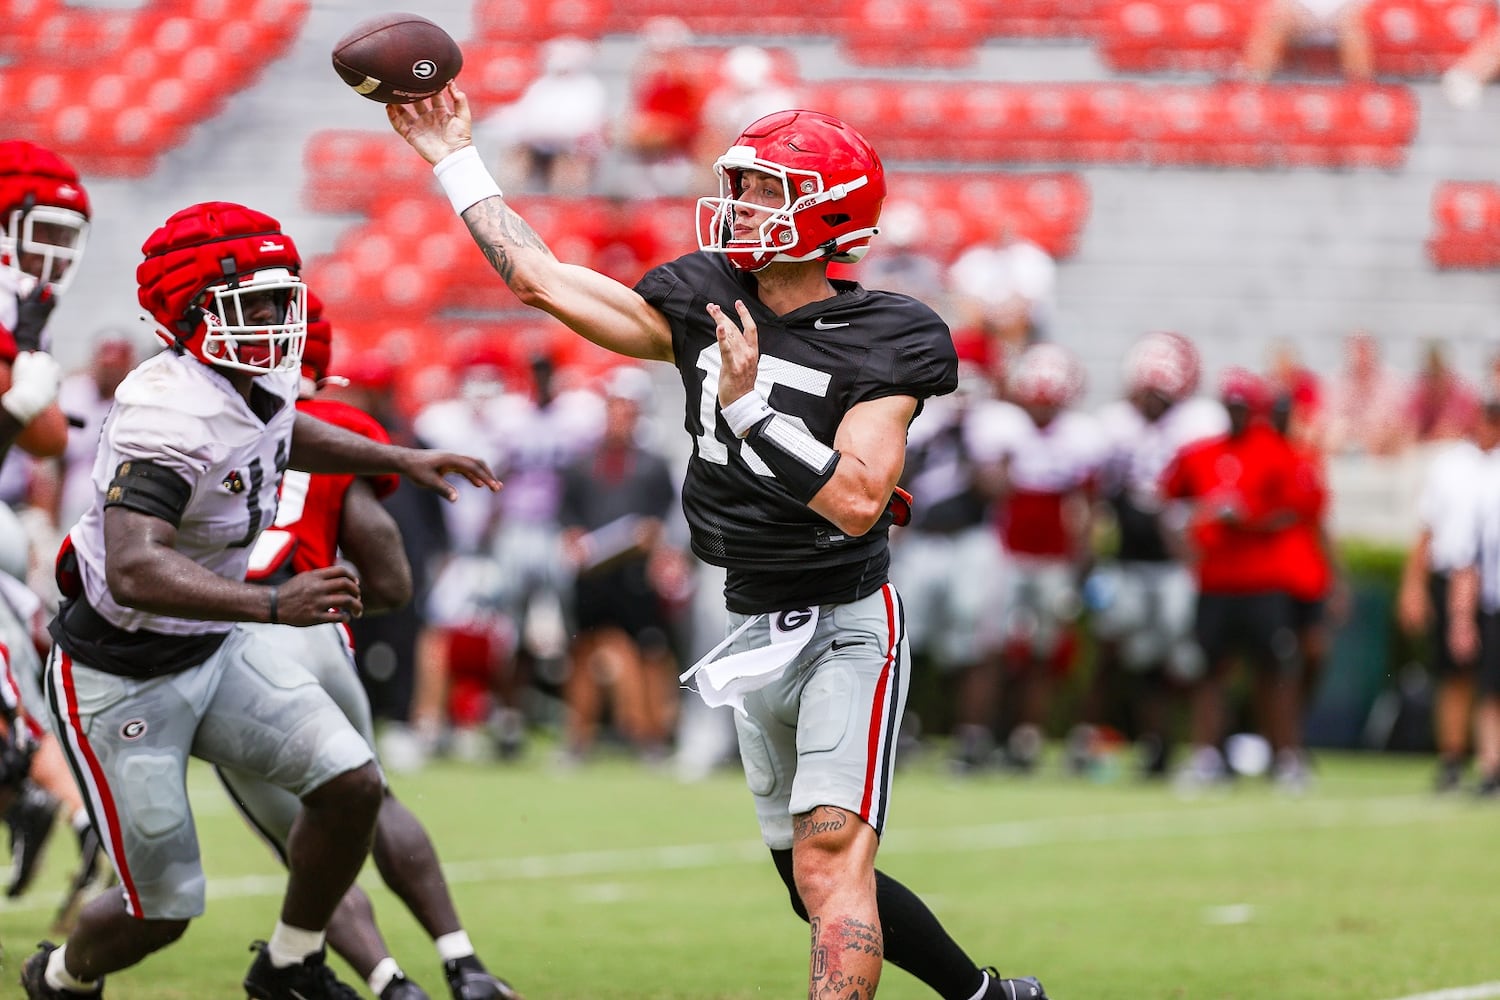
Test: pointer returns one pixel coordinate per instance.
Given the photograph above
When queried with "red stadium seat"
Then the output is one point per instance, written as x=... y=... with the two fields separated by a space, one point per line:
x=539 y=20
x=1466 y=218
x=913 y=32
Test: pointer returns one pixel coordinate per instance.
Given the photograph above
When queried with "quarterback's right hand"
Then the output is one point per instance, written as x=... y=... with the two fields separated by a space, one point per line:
x=435 y=127
x=34 y=380
x=320 y=595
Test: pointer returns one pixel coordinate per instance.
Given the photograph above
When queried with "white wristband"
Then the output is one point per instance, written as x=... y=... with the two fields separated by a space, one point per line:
x=465 y=179
x=744 y=413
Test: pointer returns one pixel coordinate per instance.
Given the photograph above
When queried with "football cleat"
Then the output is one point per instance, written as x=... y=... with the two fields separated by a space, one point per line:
x=310 y=979
x=402 y=988
x=1025 y=988
x=34 y=978
x=468 y=979
x=31 y=821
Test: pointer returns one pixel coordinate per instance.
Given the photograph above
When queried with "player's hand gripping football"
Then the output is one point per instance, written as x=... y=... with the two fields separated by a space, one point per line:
x=322 y=595
x=430 y=469
x=739 y=352
x=435 y=127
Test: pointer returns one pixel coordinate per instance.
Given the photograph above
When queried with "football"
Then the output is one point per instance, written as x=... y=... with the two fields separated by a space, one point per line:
x=397 y=58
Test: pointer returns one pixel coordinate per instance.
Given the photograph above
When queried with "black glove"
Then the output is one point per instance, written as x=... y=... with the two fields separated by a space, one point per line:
x=15 y=758
x=32 y=312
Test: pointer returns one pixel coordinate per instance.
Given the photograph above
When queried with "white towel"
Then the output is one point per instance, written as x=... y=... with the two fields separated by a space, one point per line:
x=726 y=681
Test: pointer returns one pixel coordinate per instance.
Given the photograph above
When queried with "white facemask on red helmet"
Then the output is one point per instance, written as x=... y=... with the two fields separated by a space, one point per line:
x=221 y=281
x=44 y=216
x=832 y=185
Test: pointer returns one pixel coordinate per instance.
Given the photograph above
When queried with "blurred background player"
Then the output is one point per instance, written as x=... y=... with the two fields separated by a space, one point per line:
x=948 y=557
x=1142 y=595
x=1241 y=489
x=616 y=501
x=1044 y=518
x=321 y=519
x=44 y=226
x=1456 y=483
x=45 y=214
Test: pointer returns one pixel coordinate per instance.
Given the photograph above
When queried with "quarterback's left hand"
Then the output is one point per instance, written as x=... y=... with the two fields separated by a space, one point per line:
x=430 y=469
x=739 y=352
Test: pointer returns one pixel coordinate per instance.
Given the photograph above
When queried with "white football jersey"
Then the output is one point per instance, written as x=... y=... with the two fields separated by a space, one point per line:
x=1058 y=458
x=1449 y=505
x=1137 y=452
x=180 y=414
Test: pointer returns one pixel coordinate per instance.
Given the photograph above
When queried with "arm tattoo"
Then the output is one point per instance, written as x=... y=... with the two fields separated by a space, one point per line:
x=823 y=819
x=499 y=230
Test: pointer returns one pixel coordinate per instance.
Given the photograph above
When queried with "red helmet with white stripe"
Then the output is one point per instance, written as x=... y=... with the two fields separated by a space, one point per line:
x=1165 y=363
x=221 y=281
x=832 y=185
x=1045 y=375
x=44 y=214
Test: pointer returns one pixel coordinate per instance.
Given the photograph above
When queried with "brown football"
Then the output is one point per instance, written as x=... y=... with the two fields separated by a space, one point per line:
x=397 y=58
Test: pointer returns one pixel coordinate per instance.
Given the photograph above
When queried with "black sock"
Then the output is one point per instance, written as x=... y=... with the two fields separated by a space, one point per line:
x=914 y=939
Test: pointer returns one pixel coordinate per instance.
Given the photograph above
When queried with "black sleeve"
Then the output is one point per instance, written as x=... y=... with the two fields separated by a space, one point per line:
x=151 y=489
x=914 y=356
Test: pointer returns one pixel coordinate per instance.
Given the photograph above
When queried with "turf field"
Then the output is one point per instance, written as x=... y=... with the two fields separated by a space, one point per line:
x=611 y=881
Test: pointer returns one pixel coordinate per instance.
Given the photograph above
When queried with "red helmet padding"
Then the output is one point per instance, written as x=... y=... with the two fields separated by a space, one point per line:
x=212 y=243
x=29 y=169
x=317 y=351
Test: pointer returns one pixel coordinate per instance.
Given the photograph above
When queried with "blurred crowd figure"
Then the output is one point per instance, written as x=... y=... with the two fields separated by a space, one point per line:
x=1280 y=24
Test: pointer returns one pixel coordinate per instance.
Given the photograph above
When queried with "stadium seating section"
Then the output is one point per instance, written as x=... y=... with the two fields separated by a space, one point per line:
x=1415 y=38
x=113 y=90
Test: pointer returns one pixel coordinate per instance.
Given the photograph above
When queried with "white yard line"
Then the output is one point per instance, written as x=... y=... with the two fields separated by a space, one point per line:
x=1480 y=991
x=1217 y=820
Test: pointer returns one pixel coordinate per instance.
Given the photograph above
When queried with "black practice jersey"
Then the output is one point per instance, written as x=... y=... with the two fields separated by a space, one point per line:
x=816 y=363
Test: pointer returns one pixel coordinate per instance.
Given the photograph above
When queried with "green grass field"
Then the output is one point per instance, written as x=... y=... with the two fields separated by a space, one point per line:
x=615 y=882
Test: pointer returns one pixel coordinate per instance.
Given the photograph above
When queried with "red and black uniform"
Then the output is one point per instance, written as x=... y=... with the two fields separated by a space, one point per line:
x=1243 y=489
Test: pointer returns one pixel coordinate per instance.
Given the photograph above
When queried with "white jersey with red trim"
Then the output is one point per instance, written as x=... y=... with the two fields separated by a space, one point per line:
x=1058 y=458
x=181 y=415
x=1138 y=451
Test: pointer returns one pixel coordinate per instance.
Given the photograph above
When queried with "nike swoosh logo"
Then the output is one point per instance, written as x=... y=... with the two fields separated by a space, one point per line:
x=822 y=324
x=837 y=645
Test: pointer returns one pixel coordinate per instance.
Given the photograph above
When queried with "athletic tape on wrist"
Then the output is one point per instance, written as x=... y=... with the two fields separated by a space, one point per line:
x=744 y=413
x=465 y=179
x=801 y=463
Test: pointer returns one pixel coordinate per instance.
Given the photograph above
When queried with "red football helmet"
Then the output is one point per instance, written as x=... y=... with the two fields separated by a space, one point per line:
x=833 y=186
x=45 y=214
x=317 y=350
x=1045 y=375
x=1165 y=363
x=221 y=281
x=1242 y=387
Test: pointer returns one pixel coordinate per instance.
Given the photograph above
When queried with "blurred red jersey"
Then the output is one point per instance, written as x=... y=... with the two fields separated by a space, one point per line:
x=309 y=508
x=1238 y=486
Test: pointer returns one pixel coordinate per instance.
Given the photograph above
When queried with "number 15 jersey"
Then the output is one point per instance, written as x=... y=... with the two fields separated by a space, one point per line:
x=816 y=363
